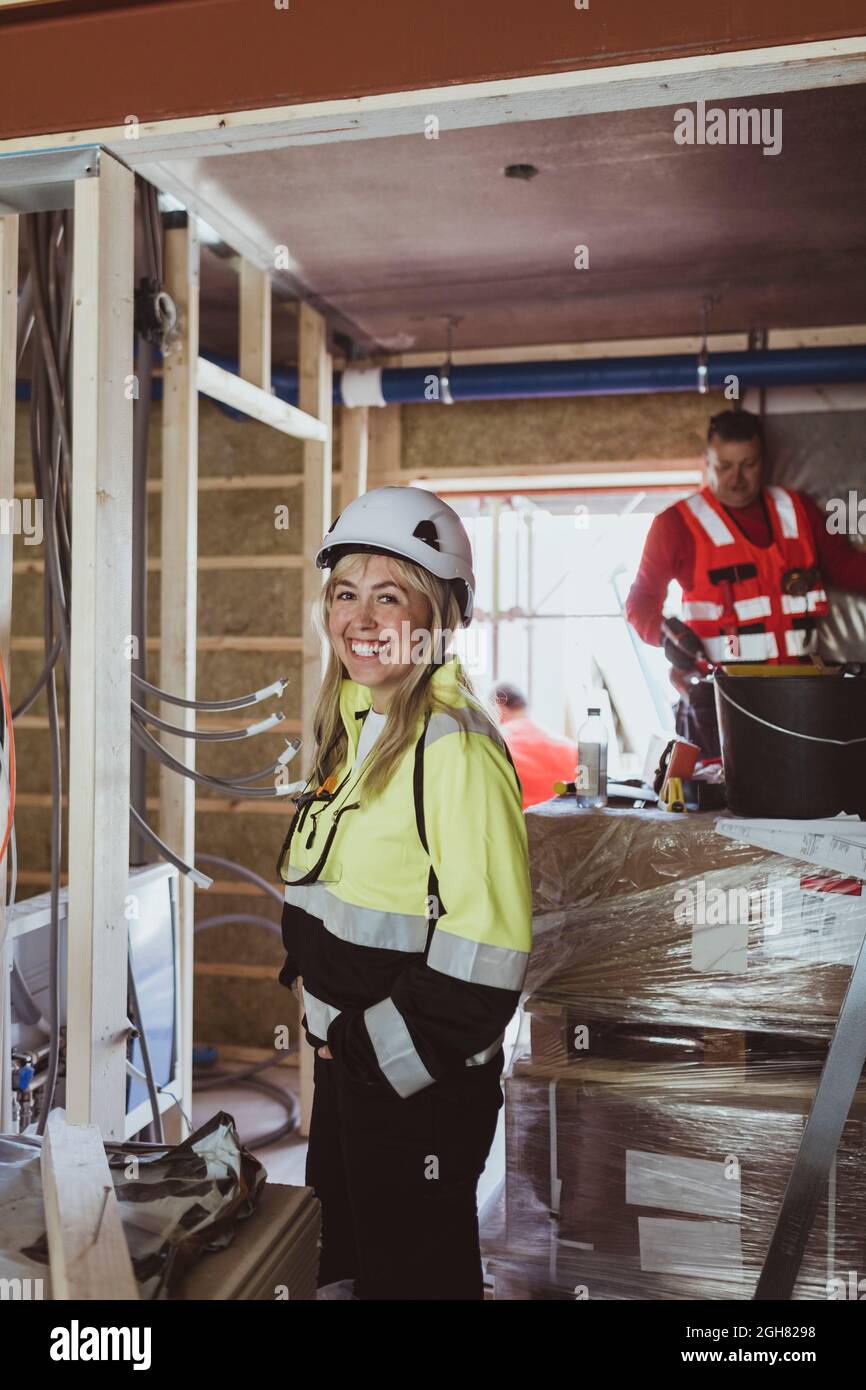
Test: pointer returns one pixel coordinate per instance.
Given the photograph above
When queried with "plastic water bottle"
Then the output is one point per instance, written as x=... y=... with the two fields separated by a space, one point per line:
x=590 y=775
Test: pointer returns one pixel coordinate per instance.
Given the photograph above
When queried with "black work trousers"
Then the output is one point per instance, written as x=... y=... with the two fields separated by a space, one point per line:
x=397 y=1180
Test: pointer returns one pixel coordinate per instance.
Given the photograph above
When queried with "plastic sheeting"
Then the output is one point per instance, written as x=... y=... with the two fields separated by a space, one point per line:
x=653 y=918
x=682 y=992
x=175 y=1205
x=665 y=1187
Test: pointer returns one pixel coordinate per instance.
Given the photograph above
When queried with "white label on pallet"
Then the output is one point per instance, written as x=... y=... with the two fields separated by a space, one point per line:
x=720 y=947
x=681 y=1184
x=821 y=919
x=710 y=1249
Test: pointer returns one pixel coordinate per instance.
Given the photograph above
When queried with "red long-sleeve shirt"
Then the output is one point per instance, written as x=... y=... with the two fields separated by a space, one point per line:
x=669 y=553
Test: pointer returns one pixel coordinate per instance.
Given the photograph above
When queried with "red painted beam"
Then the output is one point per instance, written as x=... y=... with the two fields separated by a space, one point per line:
x=72 y=65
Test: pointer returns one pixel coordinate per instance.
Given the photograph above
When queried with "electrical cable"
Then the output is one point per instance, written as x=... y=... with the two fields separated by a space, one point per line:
x=49 y=268
x=138 y=1021
x=199 y=879
x=250 y=1077
x=8 y=741
x=230 y=918
x=204 y=779
x=40 y=681
x=209 y=735
x=275 y=688
x=243 y=872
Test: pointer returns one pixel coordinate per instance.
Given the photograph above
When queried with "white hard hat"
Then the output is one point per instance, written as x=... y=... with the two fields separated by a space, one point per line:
x=415 y=525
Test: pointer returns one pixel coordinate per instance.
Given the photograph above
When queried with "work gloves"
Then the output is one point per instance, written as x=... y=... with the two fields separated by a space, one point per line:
x=682 y=647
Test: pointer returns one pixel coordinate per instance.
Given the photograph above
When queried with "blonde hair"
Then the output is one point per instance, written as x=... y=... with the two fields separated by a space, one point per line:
x=412 y=700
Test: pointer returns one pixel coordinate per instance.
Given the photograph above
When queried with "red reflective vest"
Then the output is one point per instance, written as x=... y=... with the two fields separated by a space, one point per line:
x=749 y=603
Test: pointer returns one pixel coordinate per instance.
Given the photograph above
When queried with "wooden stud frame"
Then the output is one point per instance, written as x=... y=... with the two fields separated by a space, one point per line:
x=315 y=387
x=255 y=331
x=97 y=1025
x=354 y=443
x=234 y=391
x=386 y=448
x=87 y=1248
x=178 y=614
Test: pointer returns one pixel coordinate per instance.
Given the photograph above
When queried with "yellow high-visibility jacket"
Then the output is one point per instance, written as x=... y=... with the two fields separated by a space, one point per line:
x=409 y=919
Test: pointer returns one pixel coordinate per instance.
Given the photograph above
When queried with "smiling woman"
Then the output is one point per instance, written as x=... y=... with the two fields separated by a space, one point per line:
x=407 y=911
x=371 y=612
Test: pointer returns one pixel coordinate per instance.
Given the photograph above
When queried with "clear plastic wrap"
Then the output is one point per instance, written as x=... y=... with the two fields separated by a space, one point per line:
x=630 y=1186
x=682 y=992
x=643 y=917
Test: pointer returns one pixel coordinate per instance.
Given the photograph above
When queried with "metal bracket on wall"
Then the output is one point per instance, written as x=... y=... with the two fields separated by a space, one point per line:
x=811 y=1171
x=45 y=181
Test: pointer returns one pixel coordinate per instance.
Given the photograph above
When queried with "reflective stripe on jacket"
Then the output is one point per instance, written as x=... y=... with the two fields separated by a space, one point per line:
x=747 y=602
x=412 y=961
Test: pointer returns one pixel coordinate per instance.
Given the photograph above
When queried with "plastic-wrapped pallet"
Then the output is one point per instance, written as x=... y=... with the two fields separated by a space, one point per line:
x=647 y=918
x=682 y=992
x=665 y=1183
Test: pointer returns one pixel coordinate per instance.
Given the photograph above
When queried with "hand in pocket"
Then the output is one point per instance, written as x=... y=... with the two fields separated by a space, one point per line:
x=298 y=987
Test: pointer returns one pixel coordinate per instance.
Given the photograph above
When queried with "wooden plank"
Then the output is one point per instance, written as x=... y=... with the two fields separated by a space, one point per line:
x=315 y=385
x=314 y=394
x=236 y=1052
x=254 y=357
x=8 y=343
x=238 y=805
x=203 y=644
x=385 y=450
x=353 y=449
x=86 y=1246
x=235 y=970
x=178 y=599
x=251 y=400
x=210 y=563
x=574 y=352
x=396 y=108
x=101 y=623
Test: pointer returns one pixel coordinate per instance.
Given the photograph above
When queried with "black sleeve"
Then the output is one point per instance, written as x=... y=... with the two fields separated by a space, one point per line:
x=448 y=1021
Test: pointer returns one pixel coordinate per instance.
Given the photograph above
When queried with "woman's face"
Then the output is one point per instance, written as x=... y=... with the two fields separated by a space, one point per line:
x=371 y=625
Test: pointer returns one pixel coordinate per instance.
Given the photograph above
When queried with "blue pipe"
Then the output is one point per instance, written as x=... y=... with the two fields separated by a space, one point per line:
x=611 y=376
x=602 y=376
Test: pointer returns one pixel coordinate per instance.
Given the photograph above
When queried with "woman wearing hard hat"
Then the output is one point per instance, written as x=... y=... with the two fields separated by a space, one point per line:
x=407 y=918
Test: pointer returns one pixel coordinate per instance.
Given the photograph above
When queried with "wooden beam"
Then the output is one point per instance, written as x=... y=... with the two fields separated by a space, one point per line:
x=315 y=386
x=8 y=344
x=203 y=644
x=385 y=453
x=771 y=67
x=87 y=1248
x=178 y=606
x=101 y=619
x=207 y=563
x=255 y=329
x=251 y=400
x=237 y=970
x=354 y=443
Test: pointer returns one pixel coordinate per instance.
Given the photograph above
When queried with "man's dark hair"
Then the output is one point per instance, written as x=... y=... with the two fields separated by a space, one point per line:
x=736 y=424
x=508 y=696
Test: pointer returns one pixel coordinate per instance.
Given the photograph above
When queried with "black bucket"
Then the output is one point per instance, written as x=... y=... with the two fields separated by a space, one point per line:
x=775 y=771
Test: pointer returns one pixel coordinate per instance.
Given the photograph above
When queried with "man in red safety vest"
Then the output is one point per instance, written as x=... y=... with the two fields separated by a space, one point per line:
x=539 y=757
x=752 y=561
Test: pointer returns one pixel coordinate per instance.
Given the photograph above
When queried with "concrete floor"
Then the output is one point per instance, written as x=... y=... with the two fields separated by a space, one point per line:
x=256 y=1114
